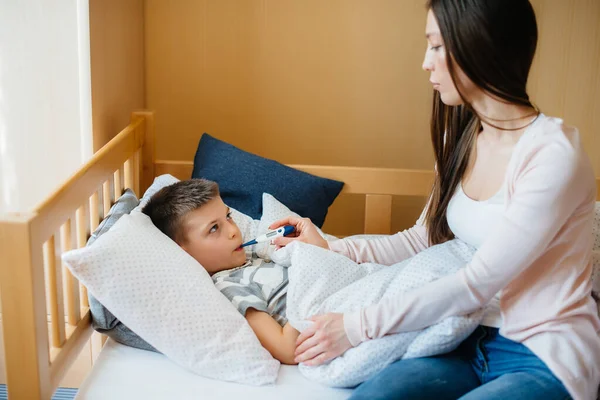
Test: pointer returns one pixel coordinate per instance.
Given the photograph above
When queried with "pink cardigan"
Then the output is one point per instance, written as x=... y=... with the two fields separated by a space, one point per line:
x=540 y=257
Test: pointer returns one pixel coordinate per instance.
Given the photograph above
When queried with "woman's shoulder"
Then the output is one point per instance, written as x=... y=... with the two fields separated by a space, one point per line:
x=552 y=137
x=556 y=147
x=553 y=130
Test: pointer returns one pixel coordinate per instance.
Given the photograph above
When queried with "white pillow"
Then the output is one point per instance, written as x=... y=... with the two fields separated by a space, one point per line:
x=274 y=210
x=161 y=293
x=158 y=183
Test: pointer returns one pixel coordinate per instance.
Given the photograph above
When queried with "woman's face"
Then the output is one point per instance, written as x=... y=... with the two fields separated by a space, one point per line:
x=436 y=63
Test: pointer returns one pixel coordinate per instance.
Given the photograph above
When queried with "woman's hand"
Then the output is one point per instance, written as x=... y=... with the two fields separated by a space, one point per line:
x=326 y=339
x=305 y=232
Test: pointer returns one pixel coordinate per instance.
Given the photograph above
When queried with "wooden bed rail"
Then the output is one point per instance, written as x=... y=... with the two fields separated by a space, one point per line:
x=379 y=185
x=45 y=314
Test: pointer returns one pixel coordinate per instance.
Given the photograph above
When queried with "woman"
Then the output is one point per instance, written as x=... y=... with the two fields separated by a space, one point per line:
x=515 y=184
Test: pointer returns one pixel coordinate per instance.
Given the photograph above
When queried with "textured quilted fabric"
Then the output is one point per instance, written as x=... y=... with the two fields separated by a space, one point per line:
x=322 y=281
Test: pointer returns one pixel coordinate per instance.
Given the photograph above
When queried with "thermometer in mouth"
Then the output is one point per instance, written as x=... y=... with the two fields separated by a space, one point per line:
x=270 y=235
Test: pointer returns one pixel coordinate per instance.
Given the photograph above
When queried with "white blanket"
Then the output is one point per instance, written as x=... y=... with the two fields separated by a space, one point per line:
x=322 y=281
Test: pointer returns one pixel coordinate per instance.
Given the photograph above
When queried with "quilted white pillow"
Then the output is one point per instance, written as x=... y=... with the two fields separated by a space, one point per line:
x=161 y=293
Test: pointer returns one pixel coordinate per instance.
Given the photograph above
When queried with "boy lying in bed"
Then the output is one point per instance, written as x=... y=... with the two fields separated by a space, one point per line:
x=193 y=215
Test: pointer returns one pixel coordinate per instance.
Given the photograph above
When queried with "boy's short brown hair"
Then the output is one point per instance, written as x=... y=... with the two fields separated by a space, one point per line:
x=167 y=207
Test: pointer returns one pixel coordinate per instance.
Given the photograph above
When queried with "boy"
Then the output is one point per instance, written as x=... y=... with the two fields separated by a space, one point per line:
x=193 y=215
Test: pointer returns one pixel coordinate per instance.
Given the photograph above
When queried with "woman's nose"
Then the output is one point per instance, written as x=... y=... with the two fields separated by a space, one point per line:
x=427 y=63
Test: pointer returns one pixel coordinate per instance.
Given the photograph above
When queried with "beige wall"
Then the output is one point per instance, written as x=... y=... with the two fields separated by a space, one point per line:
x=336 y=82
x=117 y=64
x=565 y=80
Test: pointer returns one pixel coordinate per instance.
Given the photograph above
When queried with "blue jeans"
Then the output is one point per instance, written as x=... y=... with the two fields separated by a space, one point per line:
x=485 y=366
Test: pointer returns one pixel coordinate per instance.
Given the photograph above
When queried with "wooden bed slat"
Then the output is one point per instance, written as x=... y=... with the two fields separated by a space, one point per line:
x=128 y=169
x=94 y=212
x=81 y=226
x=70 y=282
x=82 y=236
x=378 y=214
x=117 y=183
x=55 y=295
x=107 y=198
x=137 y=168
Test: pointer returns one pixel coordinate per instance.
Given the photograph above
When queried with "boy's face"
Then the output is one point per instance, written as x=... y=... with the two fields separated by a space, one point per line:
x=212 y=238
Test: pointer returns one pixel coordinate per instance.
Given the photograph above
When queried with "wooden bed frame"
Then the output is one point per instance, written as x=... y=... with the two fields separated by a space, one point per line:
x=45 y=313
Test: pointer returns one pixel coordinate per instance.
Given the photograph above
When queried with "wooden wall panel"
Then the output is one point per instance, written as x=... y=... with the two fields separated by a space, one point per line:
x=565 y=80
x=117 y=64
x=336 y=82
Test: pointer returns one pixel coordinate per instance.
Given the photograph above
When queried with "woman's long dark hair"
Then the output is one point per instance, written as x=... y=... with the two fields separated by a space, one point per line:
x=493 y=42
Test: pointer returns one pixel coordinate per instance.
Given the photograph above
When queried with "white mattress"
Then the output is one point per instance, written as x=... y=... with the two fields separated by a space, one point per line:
x=122 y=372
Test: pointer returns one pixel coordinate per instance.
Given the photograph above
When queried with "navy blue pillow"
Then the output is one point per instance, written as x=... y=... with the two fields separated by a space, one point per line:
x=243 y=177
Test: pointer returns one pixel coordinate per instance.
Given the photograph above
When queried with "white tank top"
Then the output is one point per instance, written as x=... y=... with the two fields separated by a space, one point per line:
x=472 y=221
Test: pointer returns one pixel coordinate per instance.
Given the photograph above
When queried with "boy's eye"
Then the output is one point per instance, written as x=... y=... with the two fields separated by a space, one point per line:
x=214 y=228
x=229 y=215
x=435 y=48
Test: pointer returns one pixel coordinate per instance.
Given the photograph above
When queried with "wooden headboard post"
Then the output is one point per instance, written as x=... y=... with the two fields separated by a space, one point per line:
x=147 y=151
x=24 y=321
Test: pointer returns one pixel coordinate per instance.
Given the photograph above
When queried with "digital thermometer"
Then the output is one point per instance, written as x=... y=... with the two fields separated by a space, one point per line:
x=281 y=231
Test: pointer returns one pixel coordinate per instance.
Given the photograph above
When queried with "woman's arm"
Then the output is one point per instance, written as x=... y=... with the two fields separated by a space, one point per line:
x=555 y=182
x=551 y=186
x=279 y=341
x=385 y=250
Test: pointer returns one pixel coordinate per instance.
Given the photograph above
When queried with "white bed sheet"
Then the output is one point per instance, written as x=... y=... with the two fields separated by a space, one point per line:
x=122 y=372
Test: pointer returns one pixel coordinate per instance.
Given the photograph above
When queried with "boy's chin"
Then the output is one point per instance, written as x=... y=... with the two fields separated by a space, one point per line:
x=239 y=259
